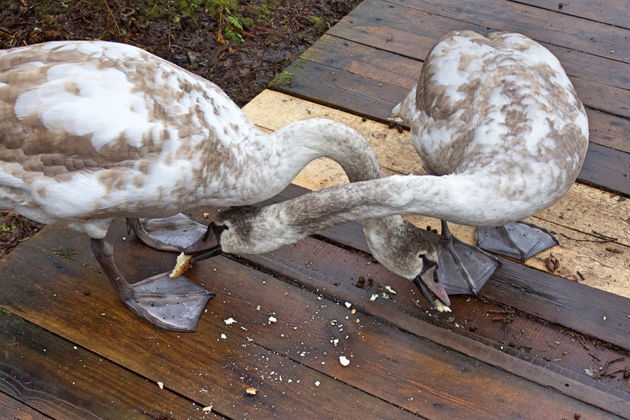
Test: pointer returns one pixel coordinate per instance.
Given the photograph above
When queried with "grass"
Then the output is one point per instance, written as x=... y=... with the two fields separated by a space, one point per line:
x=282 y=79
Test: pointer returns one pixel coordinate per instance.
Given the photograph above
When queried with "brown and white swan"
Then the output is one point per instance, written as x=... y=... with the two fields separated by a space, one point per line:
x=499 y=119
x=93 y=130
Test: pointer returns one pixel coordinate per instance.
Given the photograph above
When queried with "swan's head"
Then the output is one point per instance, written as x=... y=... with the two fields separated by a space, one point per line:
x=407 y=251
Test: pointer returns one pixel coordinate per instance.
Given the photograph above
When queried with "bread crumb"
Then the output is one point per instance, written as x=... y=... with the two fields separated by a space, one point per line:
x=344 y=360
x=374 y=297
x=223 y=336
x=390 y=290
x=441 y=307
x=251 y=391
x=348 y=305
x=316 y=383
x=207 y=409
x=229 y=321
x=272 y=319
x=160 y=384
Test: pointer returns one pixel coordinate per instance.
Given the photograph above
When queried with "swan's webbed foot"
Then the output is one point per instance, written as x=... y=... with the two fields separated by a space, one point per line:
x=463 y=269
x=173 y=304
x=172 y=233
x=517 y=240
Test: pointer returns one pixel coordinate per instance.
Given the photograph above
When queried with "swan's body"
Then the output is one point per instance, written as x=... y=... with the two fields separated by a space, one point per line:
x=92 y=130
x=500 y=116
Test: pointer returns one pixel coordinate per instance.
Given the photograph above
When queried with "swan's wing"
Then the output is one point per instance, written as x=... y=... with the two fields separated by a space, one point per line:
x=109 y=123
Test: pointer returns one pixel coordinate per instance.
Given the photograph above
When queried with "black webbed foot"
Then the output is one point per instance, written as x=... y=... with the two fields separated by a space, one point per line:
x=517 y=240
x=463 y=269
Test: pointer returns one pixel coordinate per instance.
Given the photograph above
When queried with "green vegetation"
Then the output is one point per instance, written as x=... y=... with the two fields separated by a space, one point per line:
x=283 y=79
x=318 y=23
x=7 y=228
x=224 y=11
x=65 y=252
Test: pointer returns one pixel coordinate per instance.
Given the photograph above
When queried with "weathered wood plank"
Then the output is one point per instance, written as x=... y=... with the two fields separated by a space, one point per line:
x=77 y=303
x=602 y=264
x=333 y=271
x=411 y=373
x=604 y=167
x=412 y=33
x=392 y=68
x=62 y=380
x=13 y=409
x=554 y=299
x=613 y=12
x=554 y=28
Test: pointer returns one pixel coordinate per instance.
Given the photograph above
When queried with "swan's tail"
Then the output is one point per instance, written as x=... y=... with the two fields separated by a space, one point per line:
x=405 y=111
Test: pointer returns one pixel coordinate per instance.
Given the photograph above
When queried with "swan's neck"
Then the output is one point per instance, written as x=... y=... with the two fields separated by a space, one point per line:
x=299 y=143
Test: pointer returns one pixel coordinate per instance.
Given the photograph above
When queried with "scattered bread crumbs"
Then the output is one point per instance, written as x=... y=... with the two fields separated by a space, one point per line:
x=344 y=360
x=160 y=384
x=229 y=321
x=251 y=391
x=272 y=319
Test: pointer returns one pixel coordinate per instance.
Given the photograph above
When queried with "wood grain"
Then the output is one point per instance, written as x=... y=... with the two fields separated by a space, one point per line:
x=386 y=364
x=554 y=28
x=78 y=304
x=412 y=33
x=64 y=380
x=15 y=410
x=613 y=12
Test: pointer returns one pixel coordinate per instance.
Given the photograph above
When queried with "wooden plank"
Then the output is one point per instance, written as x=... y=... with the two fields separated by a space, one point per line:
x=573 y=218
x=411 y=373
x=378 y=64
x=77 y=303
x=13 y=409
x=554 y=28
x=63 y=380
x=333 y=271
x=603 y=167
x=383 y=66
x=554 y=299
x=412 y=33
x=613 y=12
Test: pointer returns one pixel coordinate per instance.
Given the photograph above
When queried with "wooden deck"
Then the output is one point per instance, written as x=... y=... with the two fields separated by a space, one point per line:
x=535 y=345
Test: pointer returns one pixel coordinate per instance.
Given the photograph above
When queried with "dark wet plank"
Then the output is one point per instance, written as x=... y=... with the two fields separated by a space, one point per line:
x=63 y=380
x=554 y=28
x=412 y=32
x=613 y=12
x=78 y=304
x=392 y=374
x=604 y=167
x=15 y=410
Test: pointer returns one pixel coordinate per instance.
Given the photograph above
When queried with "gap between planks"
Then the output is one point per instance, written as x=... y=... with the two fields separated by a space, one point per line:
x=581 y=212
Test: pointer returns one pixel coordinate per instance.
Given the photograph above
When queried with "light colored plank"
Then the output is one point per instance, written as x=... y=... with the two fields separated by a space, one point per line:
x=605 y=265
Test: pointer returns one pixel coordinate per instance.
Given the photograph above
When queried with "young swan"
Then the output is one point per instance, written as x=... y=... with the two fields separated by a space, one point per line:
x=93 y=130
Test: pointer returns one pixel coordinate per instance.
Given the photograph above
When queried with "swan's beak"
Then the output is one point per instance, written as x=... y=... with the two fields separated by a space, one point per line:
x=209 y=242
x=430 y=280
